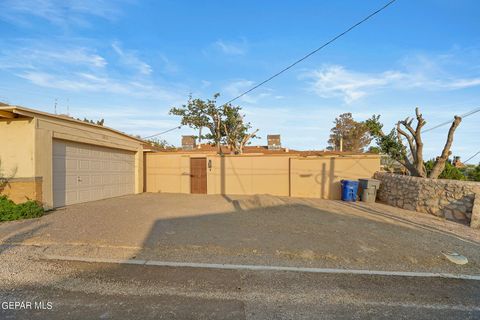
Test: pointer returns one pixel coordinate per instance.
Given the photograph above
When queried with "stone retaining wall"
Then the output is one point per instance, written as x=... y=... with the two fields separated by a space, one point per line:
x=452 y=199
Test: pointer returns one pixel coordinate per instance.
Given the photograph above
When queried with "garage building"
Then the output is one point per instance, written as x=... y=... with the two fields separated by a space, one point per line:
x=59 y=160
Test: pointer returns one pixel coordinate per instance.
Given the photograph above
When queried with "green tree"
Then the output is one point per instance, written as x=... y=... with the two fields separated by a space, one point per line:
x=411 y=158
x=236 y=130
x=160 y=143
x=449 y=172
x=374 y=149
x=472 y=172
x=225 y=123
x=100 y=122
x=199 y=114
x=354 y=136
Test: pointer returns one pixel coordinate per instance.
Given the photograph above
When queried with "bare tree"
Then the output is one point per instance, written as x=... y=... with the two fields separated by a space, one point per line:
x=412 y=157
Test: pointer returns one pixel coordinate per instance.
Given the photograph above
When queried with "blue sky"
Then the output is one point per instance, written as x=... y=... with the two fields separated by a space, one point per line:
x=131 y=61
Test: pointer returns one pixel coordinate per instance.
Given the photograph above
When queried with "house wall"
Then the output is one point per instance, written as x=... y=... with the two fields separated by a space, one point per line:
x=282 y=175
x=23 y=189
x=26 y=149
x=17 y=147
x=451 y=199
x=48 y=129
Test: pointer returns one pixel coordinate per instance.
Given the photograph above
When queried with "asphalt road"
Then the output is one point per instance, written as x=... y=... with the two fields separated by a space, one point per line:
x=79 y=290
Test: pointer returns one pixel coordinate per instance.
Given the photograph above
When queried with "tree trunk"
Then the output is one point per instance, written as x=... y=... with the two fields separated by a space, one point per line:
x=440 y=162
x=415 y=143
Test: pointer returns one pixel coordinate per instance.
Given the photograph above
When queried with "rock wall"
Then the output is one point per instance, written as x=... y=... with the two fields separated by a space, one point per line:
x=452 y=199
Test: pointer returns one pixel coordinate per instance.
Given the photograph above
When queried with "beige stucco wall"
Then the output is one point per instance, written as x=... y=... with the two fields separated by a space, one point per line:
x=169 y=173
x=17 y=147
x=283 y=175
x=320 y=177
x=248 y=175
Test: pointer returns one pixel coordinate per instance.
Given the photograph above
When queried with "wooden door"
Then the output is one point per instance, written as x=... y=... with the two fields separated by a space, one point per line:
x=198 y=175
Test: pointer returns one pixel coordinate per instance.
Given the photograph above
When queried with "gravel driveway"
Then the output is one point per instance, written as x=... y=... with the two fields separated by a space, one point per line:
x=264 y=230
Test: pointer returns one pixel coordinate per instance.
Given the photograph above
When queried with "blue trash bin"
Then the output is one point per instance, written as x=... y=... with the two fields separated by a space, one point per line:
x=349 y=190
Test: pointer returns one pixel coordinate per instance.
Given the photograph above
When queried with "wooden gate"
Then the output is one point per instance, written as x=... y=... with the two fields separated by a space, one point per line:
x=198 y=175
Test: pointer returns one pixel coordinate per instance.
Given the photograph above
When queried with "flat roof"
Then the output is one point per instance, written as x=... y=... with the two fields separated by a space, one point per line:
x=263 y=150
x=30 y=113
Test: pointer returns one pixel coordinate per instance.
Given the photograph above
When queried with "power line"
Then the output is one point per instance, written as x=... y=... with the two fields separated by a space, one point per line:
x=163 y=132
x=463 y=116
x=296 y=62
x=313 y=52
x=476 y=154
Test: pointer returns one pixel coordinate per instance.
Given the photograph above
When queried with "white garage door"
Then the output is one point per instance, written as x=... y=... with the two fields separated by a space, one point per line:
x=83 y=172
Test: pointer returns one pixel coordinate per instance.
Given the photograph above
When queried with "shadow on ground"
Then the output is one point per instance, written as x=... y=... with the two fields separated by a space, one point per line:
x=248 y=230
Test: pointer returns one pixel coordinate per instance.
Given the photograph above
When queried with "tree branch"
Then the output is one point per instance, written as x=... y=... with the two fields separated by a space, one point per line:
x=440 y=162
x=411 y=144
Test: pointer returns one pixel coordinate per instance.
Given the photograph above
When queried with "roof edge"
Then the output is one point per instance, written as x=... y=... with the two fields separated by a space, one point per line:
x=32 y=112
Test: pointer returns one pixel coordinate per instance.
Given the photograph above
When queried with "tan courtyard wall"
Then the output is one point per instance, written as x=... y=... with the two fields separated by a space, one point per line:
x=282 y=175
x=248 y=175
x=20 y=190
x=167 y=173
x=319 y=177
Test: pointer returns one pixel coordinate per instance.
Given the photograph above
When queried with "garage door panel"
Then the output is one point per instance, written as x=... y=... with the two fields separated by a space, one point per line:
x=107 y=192
x=71 y=181
x=84 y=172
x=70 y=164
x=97 y=180
x=69 y=197
x=96 y=165
x=84 y=196
x=83 y=180
x=84 y=164
x=107 y=179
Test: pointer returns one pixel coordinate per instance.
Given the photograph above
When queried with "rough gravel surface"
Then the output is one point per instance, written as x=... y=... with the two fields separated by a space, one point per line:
x=264 y=230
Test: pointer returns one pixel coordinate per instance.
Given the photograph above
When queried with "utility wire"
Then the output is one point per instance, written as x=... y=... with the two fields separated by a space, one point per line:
x=314 y=51
x=467 y=114
x=163 y=132
x=476 y=154
x=296 y=62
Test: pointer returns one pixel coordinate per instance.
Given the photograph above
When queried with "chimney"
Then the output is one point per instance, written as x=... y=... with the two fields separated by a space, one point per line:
x=188 y=142
x=457 y=163
x=274 y=142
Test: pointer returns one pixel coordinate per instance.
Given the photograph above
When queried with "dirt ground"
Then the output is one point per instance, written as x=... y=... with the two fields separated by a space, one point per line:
x=263 y=230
